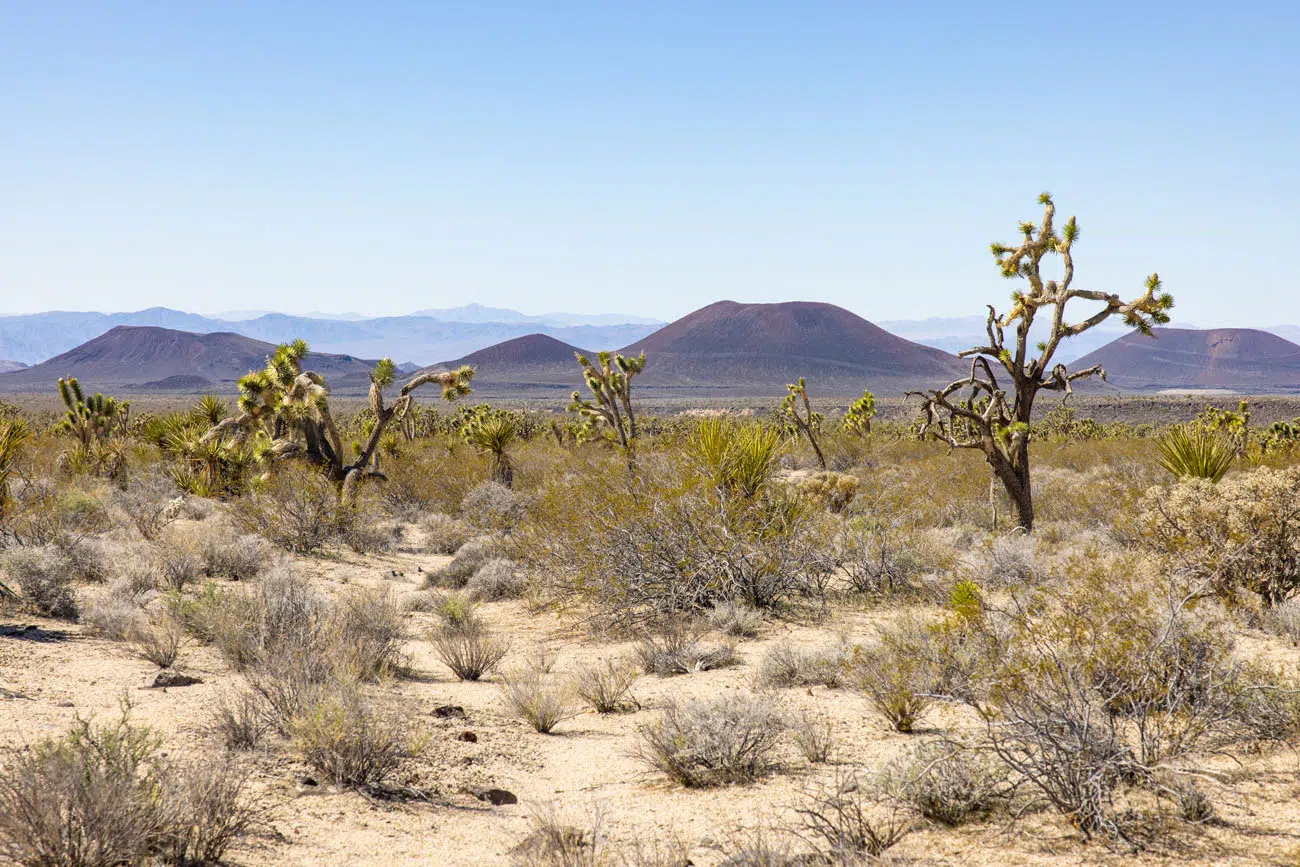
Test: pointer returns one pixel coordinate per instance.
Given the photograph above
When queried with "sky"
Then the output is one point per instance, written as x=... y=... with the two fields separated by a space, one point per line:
x=641 y=157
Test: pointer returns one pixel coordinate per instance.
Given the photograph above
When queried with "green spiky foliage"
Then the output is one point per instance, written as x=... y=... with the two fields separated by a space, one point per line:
x=290 y=406
x=991 y=409
x=1197 y=451
x=610 y=382
x=738 y=458
x=1234 y=425
x=14 y=434
x=494 y=434
x=797 y=410
x=857 y=420
x=92 y=420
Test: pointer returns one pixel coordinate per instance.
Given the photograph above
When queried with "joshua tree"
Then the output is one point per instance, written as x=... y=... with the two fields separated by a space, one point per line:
x=290 y=406
x=493 y=434
x=982 y=412
x=809 y=422
x=858 y=419
x=610 y=382
x=92 y=420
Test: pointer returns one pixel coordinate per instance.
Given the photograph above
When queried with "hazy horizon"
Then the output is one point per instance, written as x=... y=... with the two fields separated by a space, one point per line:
x=638 y=159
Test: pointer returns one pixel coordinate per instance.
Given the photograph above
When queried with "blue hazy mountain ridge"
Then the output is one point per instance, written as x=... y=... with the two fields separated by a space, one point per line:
x=417 y=338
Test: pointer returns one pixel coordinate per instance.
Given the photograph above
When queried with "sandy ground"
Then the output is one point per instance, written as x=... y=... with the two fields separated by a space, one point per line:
x=588 y=766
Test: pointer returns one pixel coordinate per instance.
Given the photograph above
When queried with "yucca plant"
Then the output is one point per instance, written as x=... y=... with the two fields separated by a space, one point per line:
x=738 y=458
x=1196 y=451
x=494 y=435
x=13 y=437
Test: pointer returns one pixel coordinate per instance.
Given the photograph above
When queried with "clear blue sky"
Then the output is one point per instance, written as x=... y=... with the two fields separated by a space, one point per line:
x=640 y=157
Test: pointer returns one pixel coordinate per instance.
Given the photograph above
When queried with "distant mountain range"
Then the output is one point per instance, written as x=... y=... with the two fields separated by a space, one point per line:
x=420 y=338
x=1237 y=359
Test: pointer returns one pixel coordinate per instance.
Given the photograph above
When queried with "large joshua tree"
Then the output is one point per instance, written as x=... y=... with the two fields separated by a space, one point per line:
x=290 y=407
x=992 y=414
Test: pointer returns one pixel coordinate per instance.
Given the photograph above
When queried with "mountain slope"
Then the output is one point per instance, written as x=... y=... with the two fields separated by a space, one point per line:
x=532 y=362
x=1243 y=359
x=761 y=347
x=145 y=358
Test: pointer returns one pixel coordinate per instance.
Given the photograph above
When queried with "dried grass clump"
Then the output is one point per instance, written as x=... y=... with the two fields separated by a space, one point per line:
x=444 y=534
x=814 y=736
x=118 y=611
x=786 y=666
x=726 y=740
x=605 y=685
x=848 y=824
x=898 y=676
x=538 y=699
x=1283 y=620
x=45 y=577
x=348 y=740
x=492 y=506
x=470 y=650
x=1012 y=562
x=179 y=561
x=497 y=579
x=159 y=642
x=296 y=509
x=678 y=649
x=240 y=721
x=735 y=619
x=948 y=784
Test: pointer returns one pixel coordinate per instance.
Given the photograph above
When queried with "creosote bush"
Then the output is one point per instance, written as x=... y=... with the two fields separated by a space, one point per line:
x=444 y=534
x=497 y=579
x=44 y=577
x=726 y=740
x=605 y=685
x=470 y=650
x=681 y=649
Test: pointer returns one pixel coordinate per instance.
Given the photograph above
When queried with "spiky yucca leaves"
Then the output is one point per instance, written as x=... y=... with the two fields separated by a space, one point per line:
x=858 y=419
x=92 y=420
x=610 y=382
x=797 y=410
x=739 y=458
x=494 y=434
x=980 y=411
x=14 y=434
x=291 y=407
x=1197 y=451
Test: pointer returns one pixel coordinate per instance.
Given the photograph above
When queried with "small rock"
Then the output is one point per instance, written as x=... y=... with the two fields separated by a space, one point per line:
x=167 y=678
x=467 y=737
x=496 y=797
x=449 y=711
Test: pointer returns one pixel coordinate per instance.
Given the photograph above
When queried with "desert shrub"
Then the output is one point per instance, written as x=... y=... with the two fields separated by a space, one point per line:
x=239 y=721
x=877 y=556
x=371 y=630
x=150 y=502
x=90 y=559
x=106 y=795
x=470 y=651
x=210 y=809
x=830 y=490
x=1011 y=561
x=605 y=685
x=539 y=700
x=456 y=610
x=785 y=665
x=492 y=506
x=471 y=557
x=725 y=740
x=179 y=560
x=346 y=739
x=946 y=783
x=45 y=579
x=497 y=579
x=814 y=738
x=46 y=513
x=897 y=676
x=444 y=534
x=1241 y=533
x=296 y=509
x=240 y=559
x=678 y=547
x=363 y=534
x=159 y=642
x=427 y=478
x=118 y=612
x=561 y=840
x=735 y=619
x=680 y=649
x=847 y=824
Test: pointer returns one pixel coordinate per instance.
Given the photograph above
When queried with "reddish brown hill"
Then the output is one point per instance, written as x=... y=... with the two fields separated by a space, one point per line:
x=1242 y=359
x=531 y=362
x=145 y=358
x=761 y=347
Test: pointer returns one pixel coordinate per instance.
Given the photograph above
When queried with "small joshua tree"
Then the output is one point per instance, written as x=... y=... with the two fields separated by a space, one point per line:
x=994 y=415
x=809 y=422
x=493 y=434
x=290 y=407
x=858 y=419
x=92 y=420
x=610 y=381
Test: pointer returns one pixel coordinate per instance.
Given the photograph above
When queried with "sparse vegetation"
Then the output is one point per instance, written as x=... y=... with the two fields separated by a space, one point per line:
x=727 y=740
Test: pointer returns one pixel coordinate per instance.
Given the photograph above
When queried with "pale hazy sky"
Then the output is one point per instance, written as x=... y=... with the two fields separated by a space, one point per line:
x=640 y=157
